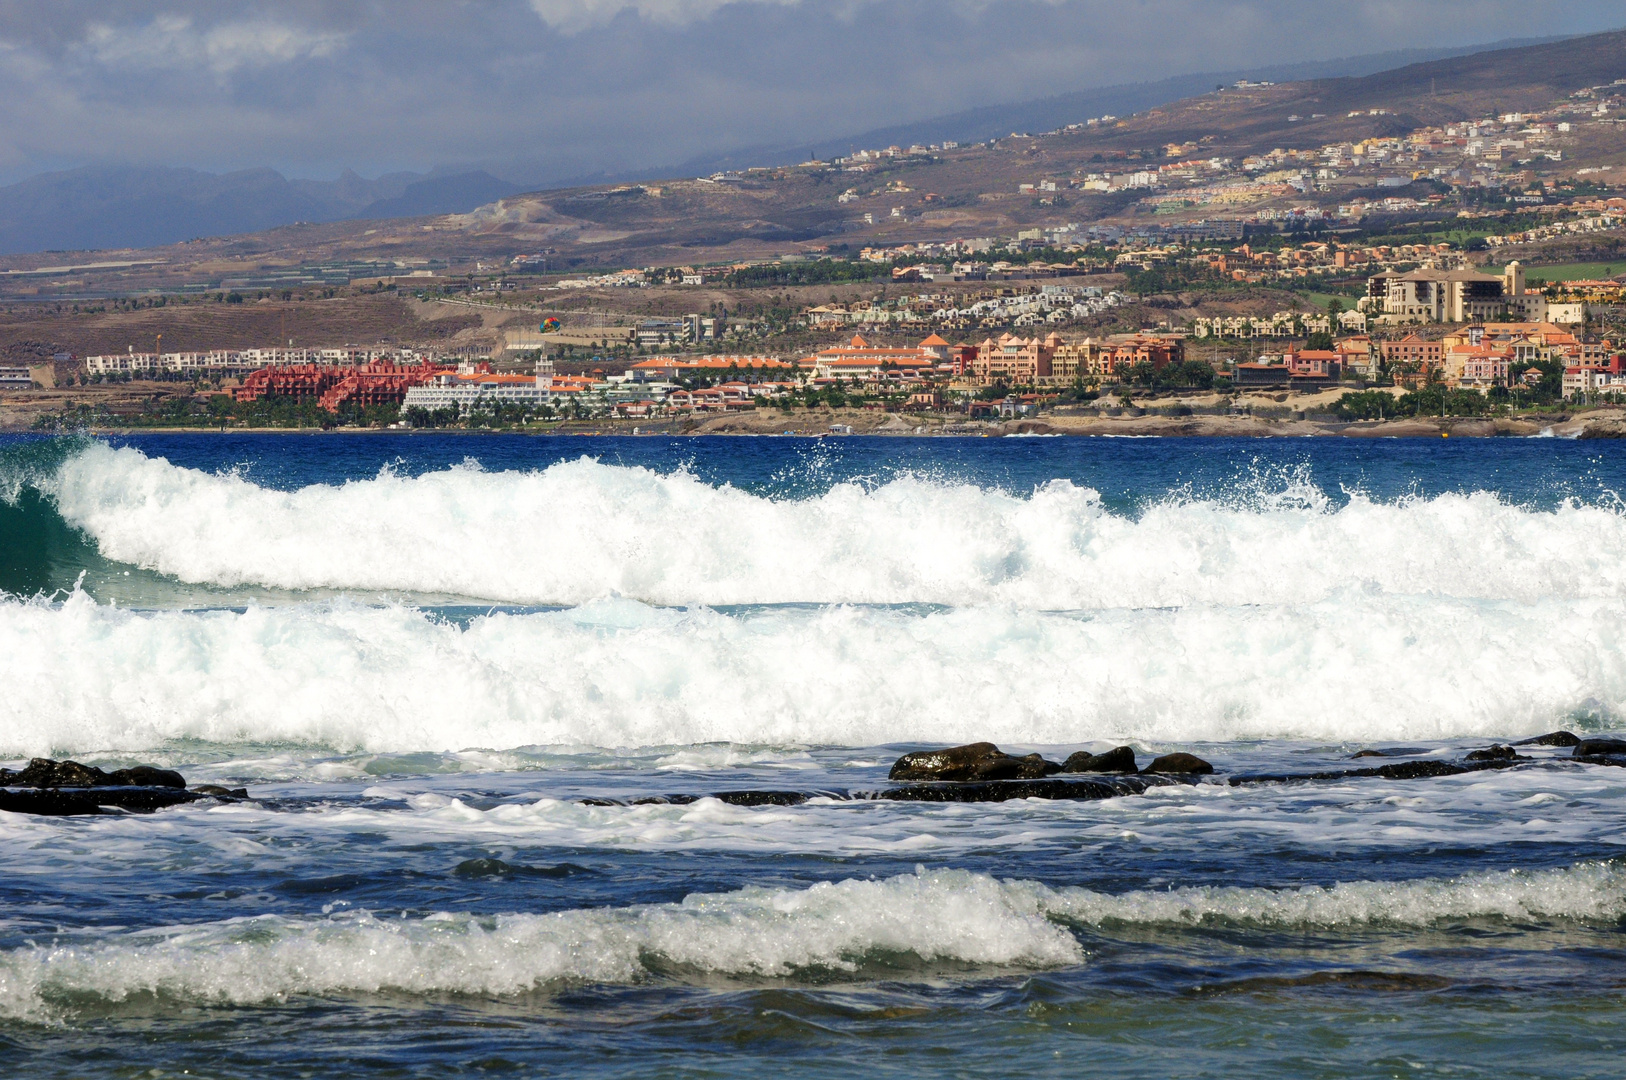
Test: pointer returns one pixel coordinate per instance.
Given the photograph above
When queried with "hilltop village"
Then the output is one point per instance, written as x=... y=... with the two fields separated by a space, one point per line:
x=1462 y=269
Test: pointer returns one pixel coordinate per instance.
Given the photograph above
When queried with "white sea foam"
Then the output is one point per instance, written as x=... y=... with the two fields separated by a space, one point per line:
x=1589 y=891
x=945 y=916
x=83 y=677
x=760 y=932
x=582 y=530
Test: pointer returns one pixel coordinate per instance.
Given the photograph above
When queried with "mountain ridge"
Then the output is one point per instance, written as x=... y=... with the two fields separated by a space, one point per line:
x=119 y=207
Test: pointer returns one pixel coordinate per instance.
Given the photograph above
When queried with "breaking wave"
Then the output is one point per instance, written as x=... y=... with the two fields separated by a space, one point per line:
x=852 y=928
x=84 y=677
x=583 y=530
x=841 y=927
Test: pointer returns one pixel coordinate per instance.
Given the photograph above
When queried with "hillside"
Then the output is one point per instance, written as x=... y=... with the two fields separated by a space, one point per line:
x=943 y=194
x=121 y=206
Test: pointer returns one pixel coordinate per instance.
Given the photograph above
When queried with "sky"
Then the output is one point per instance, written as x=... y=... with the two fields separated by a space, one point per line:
x=551 y=89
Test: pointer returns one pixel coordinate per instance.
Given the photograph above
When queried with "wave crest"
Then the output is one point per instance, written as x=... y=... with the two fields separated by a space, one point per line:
x=854 y=927
x=581 y=530
x=85 y=677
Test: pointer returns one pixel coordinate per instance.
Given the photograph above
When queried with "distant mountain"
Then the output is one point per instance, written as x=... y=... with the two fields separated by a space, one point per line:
x=442 y=195
x=127 y=206
x=1048 y=114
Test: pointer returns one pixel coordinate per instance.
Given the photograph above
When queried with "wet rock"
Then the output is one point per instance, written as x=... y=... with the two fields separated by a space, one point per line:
x=973 y=762
x=1552 y=738
x=1120 y=759
x=218 y=792
x=497 y=868
x=1182 y=764
x=1495 y=753
x=762 y=798
x=732 y=798
x=48 y=773
x=1102 y=787
x=57 y=788
x=1357 y=755
x=1402 y=770
x=1600 y=748
x=94 y=800
x=1389 y=751
x=1413 y=770
x=147 y=776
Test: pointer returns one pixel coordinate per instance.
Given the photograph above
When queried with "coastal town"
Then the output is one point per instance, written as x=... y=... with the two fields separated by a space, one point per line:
x=1438 y=339
x=1459 y=268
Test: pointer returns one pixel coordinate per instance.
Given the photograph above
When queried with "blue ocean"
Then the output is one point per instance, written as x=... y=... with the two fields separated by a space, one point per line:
x=482 y=691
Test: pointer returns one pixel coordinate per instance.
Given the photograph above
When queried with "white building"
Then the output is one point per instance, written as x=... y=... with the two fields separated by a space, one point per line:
x=469 y=390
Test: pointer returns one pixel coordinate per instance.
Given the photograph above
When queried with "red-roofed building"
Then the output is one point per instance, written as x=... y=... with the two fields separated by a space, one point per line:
x=670 y=367
x=861 y=360
x=1019 y=360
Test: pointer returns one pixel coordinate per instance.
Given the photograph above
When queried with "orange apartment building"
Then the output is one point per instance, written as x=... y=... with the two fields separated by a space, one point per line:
x=1413 y=349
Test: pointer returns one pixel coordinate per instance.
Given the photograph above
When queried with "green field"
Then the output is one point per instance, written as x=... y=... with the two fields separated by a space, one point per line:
x=1319 y=299
x=1568 y=271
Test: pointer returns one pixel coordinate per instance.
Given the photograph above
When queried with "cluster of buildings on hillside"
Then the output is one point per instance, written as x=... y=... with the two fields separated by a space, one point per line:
x=1281 y=324
x=1036 y=306
x=1473 y=357
x=923 y=373
x=238 y=361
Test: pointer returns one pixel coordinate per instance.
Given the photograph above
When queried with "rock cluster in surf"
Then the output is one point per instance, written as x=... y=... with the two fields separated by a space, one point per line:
x=47 y=786
x=983 y=761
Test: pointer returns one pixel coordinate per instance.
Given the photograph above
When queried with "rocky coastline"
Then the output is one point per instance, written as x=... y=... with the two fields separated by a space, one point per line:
x=972 y=773
x=65 y=788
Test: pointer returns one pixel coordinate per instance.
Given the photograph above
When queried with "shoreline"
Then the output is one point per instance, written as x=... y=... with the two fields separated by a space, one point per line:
x=1594 y=424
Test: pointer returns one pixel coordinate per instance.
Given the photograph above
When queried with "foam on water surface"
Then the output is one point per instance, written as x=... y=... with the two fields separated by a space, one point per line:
x=947 y=916
x=581 y=530
x=87 y=677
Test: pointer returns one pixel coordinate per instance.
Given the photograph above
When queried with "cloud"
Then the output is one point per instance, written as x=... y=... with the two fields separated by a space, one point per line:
x=175 y=42
x=564 y=88
x=575 y=15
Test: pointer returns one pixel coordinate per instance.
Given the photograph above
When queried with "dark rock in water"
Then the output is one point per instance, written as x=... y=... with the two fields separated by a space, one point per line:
x=1367 y=753
x=1413 y=770
x=762 y=798
x=1495 y=753
x=47 y=773
x=1183 y=764
x=61 y=801
x=1389 y=751
x=1401 y=770
x=976 y=761
x=218 y=792
x=1120 y=759
x=147 y=776
x=479 y=868
x=1599 y=747
x=497 y=868
x=57 y=788
x=1552 y=738
x=1103 y=787
x=732 y=798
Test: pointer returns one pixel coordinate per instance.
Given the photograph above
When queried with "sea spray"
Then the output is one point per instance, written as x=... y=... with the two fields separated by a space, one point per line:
x=617 y=673
x=582 y=530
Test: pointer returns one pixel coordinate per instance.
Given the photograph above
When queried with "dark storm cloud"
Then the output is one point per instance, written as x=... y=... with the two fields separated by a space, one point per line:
x=576 y=85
